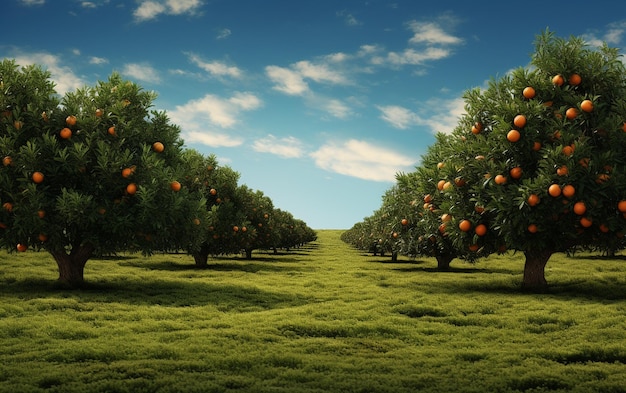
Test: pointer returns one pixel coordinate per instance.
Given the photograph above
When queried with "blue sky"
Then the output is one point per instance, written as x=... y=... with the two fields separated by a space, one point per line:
x=316 y=103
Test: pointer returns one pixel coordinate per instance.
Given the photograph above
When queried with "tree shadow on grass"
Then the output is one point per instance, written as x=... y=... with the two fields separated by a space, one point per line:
x=253 y=265
x=149 y=292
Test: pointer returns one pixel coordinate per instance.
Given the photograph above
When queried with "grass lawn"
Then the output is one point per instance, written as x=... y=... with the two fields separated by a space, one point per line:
x=323 y=318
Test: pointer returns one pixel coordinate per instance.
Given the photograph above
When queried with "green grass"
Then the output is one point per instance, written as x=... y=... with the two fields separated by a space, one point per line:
x=324 y=318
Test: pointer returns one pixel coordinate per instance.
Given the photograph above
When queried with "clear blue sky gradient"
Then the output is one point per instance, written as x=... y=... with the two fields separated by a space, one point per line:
x=316 y=103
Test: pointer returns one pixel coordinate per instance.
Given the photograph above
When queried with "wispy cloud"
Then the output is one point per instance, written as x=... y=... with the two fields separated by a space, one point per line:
x=362 y=160
x=98 y=60
x=151 y=9
x=613 y=36
x=348 y=18
x=215 y=68
x=141 y=72
x=32 y=2
x=202 y=120
x=64 y=77
x=223 y=34
x=438 y=115
x=287 y=80
x=287 y=147
x=399 y=117
x=430 y=33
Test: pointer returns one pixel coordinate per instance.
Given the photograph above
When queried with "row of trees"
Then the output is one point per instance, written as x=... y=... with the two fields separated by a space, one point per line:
x=98 y=171
x=536 y=165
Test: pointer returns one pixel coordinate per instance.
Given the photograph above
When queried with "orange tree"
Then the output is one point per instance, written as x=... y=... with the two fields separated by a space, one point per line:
x=542 y=155
x=91 y=173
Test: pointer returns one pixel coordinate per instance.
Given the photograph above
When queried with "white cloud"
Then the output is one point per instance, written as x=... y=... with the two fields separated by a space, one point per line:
x=213 y=139
x=64 y=78
x=141 y=72
x=215 y=68
x=399 y=117
x=223 y=33
x=431 y=33
x=288 y=147
x=198 y=119
x=411 y=56
x=32 y=2
x=150 y=9
x=362 y=160
x=286 y=80
x=337 y=109
x=98 y=60
x=319 y=73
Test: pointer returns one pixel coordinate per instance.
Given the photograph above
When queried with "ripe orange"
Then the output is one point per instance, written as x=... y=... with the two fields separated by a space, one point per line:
x=440 y=165
x=519 y=121
x=21 y=247
x=236 y=229
x=558 y=80
x=533 y=200
x=603 y=228
x=99 y=112
x=459 y=181
x=41 y=213
x=516 y=172
x=175 y=186
x=42 y=237
x=554 y=190
x=65 y=133
x=473 y=247
x=586 y=222
x=477 y=128
x=621 y=206
x=536 y=146
x=111 y=130
x=580 y=208
x=8 y=206
x=574 y=79
x=571 y=113
x=70 y=120
x=532 y=228
x=528 y=92
x=440 y=184
x=568 y=191
x=481 y=229
x=131 y=189
x=18 y=124
x=567 y=150
x=6 y=161
x=479 y=209
x=465 y=225
x=427 y=198
x=513 y=136
x=126 y=172
x=584 y=162
x=586 y=106
x=562 y=170
x=37 y=177
x=442 y=228
x=158 y=147
x=404 y=222
x=447 y=186
x=500 y=179
x=445 y=217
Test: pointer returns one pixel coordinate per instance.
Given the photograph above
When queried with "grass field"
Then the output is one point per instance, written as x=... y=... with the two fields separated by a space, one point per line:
x=324 y=318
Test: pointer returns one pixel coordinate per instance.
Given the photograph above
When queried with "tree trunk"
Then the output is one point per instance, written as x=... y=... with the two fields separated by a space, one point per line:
x=394 y=256
x=201 y=257
x=443 y=261
x=72 y=265
x=534 y=270
x=248 y=253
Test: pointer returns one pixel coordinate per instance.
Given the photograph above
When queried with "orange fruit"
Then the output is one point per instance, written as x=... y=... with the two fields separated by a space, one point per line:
x=131 y=189
x=37 y=177
x=65 y=133
x=479 y=209
x=440 y=184
x=562 y=170
x=111 y=130
x=70 y=120
x=513 y=136
x=621 y=206
x=442 y=228
x=533 y=200
x=532 y=228
x=175 y=186
x=6 y=161
x=580 y=208
x=42 y=237
x=41 y=213
x=554 y=190
x=473 y=247
x=213 y=191
x=500 y=179
x=568 y=191
x=18 y=124
x=574 y=79
x=427 y=198
x=236 y=229
x=99 y=112
x=404 y=222
x=567 y=150
x=44 y=116
x=477 y=128
x=584 y=162
x=571 y=113
x=21 y=247
x=586 y=106
x=465 y=225
x=528 y=92
x=586 y=222
x=624 y=127
x=158 y=147
x=445 y=217
x=8 y=206
x=447 y=186
x=440 y=165
x=481 y=229
x=516 y=172
x=558 y=80
x=603 y=228
x=536 y=146
x=459 y=181
x=519 y=121
x=127 y=172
